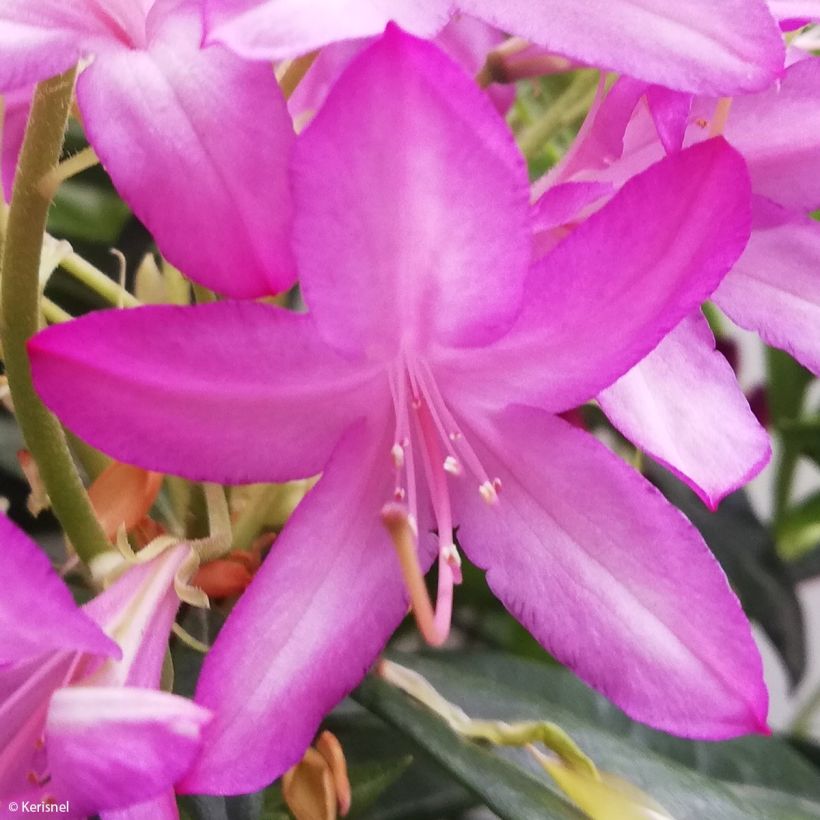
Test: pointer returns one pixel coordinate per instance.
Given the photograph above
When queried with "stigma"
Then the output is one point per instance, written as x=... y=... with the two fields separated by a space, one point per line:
x=429 y=450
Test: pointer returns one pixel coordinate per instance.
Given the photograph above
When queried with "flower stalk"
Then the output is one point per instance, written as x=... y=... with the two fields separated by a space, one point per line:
x=20 y=307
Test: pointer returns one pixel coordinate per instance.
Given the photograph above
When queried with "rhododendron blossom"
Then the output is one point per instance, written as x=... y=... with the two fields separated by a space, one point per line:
x=774 y=288
x=161 y=111
x=425 y=382
x=698 y=46
x=81 y=717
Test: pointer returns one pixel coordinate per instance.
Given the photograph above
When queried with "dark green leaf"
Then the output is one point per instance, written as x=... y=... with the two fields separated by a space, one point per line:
x=686 y=778
x=798 y=532
x=508 y=789
x=87 y=212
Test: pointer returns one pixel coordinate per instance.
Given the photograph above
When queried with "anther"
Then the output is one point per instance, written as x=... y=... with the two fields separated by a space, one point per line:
x=399 y=494
x=488 y=492
x=452 y=466
x=38 y=779
x=397 y=454
x=455 y=435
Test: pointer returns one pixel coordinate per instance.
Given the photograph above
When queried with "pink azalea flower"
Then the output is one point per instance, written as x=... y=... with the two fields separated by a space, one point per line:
x=467 y=40
x=774 y=288
x=81 y=717
x=425 y=383
x=183 y=130
x=698 y=46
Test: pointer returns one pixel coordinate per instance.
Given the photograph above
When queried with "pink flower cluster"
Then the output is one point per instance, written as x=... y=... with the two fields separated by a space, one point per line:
x=454 y=312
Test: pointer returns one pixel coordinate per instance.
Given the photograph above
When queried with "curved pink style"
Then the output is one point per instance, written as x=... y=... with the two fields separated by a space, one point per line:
x=426 y=327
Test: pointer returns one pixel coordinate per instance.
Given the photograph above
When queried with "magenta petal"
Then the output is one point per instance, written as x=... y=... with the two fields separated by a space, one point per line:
x=670 y=113
x=562 y=204
x=629 y=274
x=699 y=46
x=277 y=29
x=197 y=142
x=314 y=619
x=612 y=579
x=412 y=204
x=163 y=807
x=37 y=612
x=110 y=748
x=777 y=133
x=774 y=289
x=206 y=392
x=682 y=405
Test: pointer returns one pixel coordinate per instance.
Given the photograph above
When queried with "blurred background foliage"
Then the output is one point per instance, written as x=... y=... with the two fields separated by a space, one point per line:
x=404 y=762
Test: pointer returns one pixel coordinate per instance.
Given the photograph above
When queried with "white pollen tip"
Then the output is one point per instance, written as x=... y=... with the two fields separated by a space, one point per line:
x=488 y=493
x=452 y=556
x=397 y=454
x=452 y=466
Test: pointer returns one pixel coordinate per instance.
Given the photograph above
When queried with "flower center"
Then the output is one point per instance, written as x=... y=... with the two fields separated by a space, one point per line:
x=427 y=432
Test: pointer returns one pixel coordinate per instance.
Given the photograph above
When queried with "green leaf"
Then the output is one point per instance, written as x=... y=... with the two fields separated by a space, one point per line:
x=508 y=789
x=685 y=777
x=798 y=532
x=787 y=384
x=803 y=436
x=87 y=212
x=749 y=556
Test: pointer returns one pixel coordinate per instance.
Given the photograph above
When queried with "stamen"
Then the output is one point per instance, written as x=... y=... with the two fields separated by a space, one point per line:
x=452 y=466
x=433 y=625
x=489 y=492
x=397 y=454
x=721 y=116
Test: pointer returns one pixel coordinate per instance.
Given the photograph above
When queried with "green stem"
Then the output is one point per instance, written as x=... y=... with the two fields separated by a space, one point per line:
x=20 y=308
x=570 y=105
x=97 y=281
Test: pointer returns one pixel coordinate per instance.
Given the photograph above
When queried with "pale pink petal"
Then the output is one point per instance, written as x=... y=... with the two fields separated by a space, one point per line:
x=611 y=579
x=109 y=748
x=699 y=45
x=16 y=106
x=412 y=203
x=797 y=12
x=25 y=691
x=775 y=287
x=37 y=612
x=468 y=41
x=163 y=807
x=138 y=611
x=682 y=405
x=606 y=296
x=206 y=392
x=562 y=203
x=312 y=91
x=601 y=139
x=197 y=141
x=670 y=113
x=314 y=619
x=41 y=38
x=277 y=29
x=778 y=133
